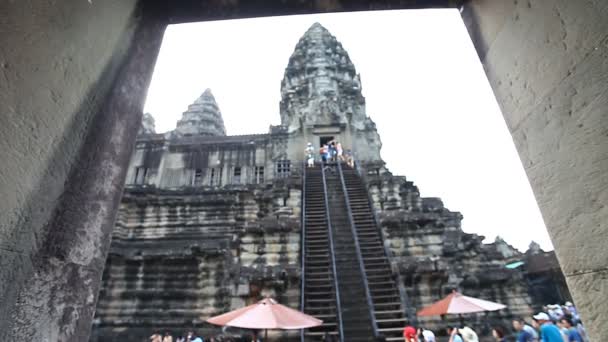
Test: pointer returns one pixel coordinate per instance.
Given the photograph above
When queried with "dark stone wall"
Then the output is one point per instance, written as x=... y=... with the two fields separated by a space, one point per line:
x=434 y=256
x=180 y=257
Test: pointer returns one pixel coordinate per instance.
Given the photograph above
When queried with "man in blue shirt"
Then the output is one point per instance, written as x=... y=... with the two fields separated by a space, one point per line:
x=523 y=334
x=573 y=334
x=548 y=331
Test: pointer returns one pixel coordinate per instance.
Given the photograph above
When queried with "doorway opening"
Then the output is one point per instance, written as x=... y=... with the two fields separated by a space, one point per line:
x=325 y=140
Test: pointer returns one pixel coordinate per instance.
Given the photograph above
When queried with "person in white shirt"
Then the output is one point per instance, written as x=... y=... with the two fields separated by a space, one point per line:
x=427 y=335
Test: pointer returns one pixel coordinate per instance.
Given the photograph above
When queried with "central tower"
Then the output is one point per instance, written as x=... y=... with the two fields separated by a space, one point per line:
x=321 y=98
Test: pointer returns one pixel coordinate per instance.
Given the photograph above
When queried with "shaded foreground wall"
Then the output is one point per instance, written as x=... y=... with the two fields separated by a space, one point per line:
x=547 y=62
x=64 y=103
x=58 y=64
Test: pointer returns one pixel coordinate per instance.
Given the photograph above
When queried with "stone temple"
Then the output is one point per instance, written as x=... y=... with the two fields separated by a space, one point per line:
x=211 y=222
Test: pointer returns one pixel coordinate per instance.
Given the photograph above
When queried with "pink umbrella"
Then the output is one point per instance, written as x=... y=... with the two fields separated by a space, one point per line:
x=457 y=303
x=266 y=314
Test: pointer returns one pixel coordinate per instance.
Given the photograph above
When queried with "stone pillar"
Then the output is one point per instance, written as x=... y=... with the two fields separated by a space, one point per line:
x=547 y=62
x=51 y=288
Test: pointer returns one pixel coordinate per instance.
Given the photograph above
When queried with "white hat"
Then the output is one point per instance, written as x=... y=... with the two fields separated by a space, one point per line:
x=468 y=335
x=568 y=303
x=541 y=316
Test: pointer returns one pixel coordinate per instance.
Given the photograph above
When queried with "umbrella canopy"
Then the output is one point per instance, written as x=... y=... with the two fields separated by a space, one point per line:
x=456 y=303
x=266 y=314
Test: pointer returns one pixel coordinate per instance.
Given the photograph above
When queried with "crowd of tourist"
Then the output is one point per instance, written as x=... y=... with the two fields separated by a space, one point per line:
x=329 y=152
x=556 y=323
x=191 y=336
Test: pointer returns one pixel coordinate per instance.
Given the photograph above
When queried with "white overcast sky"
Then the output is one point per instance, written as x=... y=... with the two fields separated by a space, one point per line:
x=424 y=85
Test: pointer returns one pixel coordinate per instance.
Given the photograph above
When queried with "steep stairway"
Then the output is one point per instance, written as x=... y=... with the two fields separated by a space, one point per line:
x=388 y=305
x=347 y=277
x=356 y=311
x=319 y=297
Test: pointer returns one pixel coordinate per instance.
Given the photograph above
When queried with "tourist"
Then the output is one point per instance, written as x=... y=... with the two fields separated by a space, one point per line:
x=468 y=334
x=562 y=329
x=549 y=332
x=499 y=334
x=192 y=337
x=350 y=160
x=454 y=335
x=525 y=333
x=332 y=151
x=555 y=312
x=168 y=337
x=156 y=338
x=572 y=310
x=410 y=334
x=339 y=151
x=323 y=151
x=427 y=335
x=572 y=332
x=310 y=156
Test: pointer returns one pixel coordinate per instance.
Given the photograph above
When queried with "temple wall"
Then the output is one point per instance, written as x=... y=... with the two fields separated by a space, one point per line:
x=172 y=164
x=180 y=257
x=434 y=256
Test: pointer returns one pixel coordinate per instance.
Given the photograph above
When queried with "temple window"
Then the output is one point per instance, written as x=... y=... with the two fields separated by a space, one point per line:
x=212 y=177
x=236 y=178
x=140 y=175
x=283 y=168
x=198 y=177
x=259 y=174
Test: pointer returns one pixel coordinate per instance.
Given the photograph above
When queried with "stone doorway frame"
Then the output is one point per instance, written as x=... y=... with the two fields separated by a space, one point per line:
x=44 y=299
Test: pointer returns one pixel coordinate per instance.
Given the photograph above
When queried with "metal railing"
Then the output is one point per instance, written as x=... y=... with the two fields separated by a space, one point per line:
x=333 y=255
x=303 y=246
x=368 y=295
x=405 y=305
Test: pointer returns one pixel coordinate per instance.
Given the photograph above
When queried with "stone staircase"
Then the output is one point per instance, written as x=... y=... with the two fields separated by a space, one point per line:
x=388 y=307
x=319 y=283
x=356 y=312
x=363 y=316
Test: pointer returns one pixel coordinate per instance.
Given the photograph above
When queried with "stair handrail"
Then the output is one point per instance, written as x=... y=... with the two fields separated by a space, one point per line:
x=387 y=251
x=333 y=254
x=353 y=229
x=303 y=246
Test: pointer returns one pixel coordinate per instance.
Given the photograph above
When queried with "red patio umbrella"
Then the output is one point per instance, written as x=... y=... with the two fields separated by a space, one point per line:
x=456 y=303
x=266 y=314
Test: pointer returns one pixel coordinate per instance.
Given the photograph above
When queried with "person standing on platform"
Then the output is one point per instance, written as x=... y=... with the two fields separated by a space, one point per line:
x=323 y=151
x=310 y=155
x=339 y=151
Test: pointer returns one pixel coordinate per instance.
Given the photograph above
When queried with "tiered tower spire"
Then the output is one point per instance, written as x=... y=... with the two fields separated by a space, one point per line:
x=147 y=124
x=321 y=85
x=203 y=117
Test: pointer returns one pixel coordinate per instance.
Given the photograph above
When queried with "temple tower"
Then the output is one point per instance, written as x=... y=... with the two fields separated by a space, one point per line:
x=203 y=117
x=147 y=125
x=321 y=98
